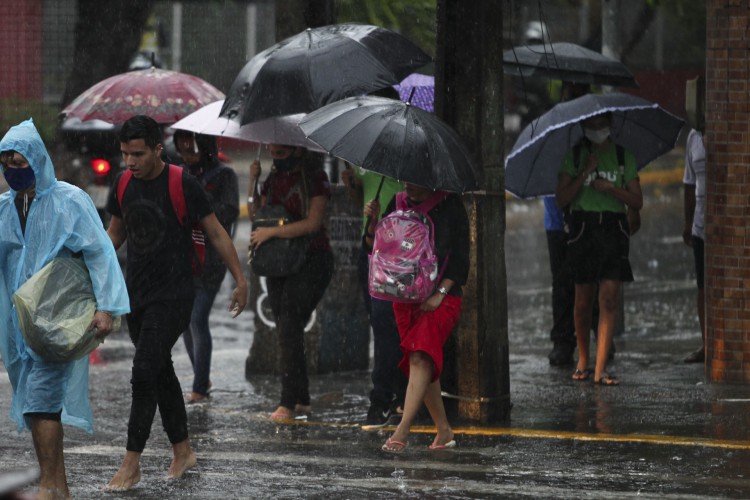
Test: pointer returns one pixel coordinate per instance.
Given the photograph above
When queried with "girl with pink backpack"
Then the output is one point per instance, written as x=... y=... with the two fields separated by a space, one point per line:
x=420 y=261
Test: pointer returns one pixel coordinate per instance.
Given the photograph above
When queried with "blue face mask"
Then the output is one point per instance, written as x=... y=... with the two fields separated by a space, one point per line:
x=286 y=164
x=19 y=179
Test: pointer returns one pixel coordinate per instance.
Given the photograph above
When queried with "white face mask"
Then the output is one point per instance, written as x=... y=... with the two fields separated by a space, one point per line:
x=596 y=136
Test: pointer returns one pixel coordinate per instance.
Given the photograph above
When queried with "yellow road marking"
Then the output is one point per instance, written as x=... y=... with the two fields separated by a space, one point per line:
x=658 y=439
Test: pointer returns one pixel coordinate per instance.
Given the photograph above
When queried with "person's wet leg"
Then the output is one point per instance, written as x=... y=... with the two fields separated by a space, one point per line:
x=47 y=435
x=609 y=291
x=202 y=343
x=434 y=402
x=583 y=304
x=421 y=369
x=143 y=399
x=169 y=393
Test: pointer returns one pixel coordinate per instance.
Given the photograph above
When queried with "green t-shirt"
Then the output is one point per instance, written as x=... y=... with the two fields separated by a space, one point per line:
x=370 y=183
x=589 y=199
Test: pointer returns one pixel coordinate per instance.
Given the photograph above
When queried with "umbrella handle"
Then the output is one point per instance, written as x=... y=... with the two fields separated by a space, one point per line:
x=251 y=198
x=377 y=195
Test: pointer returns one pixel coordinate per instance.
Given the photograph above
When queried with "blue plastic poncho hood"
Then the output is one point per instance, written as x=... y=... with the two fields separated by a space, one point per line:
x=61 y=221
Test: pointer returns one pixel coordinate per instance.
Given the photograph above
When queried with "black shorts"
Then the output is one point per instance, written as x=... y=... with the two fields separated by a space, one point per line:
x=598 y=247
x=698 y=255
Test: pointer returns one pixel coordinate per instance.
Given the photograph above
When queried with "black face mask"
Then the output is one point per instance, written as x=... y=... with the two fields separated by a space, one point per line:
x=19 y=179
x=286 y=164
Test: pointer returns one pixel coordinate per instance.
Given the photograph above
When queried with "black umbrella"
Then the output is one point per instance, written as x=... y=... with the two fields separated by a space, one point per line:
x=566 y=61
x=395 y=139
x=319 y=66
x=640 y=126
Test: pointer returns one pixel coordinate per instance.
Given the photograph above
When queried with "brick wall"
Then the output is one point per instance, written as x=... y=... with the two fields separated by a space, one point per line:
x=21 y=49
x=728 y=193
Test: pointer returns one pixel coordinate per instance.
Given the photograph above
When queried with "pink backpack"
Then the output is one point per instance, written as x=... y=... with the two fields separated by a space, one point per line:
x=403 y=264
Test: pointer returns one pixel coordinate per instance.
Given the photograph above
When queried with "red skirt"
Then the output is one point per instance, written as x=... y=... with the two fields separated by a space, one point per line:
x=426 y=331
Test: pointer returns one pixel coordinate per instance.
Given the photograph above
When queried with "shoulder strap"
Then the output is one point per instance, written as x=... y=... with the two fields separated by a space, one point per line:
x=177 y=193
x=122 y=184
x=431 y=202
x=577 y=150
x=621 y=162
x=401 y=201
x=424 y=208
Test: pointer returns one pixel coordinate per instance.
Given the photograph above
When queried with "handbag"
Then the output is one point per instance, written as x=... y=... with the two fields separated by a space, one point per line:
x=279 y=257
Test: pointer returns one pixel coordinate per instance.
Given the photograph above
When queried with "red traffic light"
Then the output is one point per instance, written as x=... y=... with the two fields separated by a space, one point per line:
x=100 y=166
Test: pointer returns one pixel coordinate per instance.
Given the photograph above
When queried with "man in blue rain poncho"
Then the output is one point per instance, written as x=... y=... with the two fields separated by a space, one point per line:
x=40 y=219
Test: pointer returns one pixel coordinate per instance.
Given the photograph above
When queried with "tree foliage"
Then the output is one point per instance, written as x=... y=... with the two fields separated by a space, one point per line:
x=415 y=19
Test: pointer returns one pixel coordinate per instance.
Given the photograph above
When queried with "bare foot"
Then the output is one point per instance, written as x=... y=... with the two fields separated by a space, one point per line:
x=183 y=459
x=196 y=397
x=282 y=414
x=128 y=475
x=45 y=493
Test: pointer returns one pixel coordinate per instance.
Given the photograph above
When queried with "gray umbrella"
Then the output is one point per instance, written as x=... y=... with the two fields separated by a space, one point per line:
x=319 y=66
x=394 y=139
x=566 y=61
x=640 y=126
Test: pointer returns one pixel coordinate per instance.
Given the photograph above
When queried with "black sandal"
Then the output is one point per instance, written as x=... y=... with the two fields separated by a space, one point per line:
x=581 y=375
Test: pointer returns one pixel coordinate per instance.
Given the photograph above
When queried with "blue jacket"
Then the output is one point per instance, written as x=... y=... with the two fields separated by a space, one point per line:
x=61 y=221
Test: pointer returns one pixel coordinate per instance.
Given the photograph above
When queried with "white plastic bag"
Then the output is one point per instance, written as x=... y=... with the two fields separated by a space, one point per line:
x=55 y=308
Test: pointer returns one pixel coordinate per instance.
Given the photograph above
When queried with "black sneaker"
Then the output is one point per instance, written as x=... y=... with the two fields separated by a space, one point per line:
x=377 y=417
x=561 y=354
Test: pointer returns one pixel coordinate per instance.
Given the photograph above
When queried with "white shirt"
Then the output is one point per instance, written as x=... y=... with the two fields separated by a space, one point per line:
x=695 y=175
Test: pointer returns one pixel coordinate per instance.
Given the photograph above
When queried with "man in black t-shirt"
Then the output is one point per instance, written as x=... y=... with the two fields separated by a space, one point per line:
x=160 y=285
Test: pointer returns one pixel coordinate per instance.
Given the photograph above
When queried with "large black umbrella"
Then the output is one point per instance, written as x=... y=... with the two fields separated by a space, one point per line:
x=640 y=126
x=567 y=61
x=319 y=66
x=394 y=139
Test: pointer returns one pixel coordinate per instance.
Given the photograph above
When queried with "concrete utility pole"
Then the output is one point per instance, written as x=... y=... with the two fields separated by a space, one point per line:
x=611 y=42
x=469 y=96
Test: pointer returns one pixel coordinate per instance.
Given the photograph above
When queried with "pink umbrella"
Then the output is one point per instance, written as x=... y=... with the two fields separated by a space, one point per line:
x=166 y=96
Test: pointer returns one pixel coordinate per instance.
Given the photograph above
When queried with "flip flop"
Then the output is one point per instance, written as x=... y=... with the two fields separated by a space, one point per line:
x=607 y=380
x=449 y=444
x=394 y=447
x=581 y=375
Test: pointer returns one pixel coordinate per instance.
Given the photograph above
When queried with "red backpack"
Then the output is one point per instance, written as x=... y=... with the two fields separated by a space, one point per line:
x=177 y=196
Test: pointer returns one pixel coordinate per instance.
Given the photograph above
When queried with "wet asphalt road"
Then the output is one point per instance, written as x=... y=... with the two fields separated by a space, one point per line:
x=664 y=433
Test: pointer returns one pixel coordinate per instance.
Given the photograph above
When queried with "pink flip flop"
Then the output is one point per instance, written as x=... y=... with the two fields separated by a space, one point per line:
x=393 y=446
x=449 y=444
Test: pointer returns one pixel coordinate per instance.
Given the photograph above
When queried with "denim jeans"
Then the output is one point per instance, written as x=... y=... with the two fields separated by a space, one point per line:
x=154 y=330
x=198 y=339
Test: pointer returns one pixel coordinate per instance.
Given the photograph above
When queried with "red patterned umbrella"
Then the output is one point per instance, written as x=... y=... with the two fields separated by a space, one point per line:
x=166 y=96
